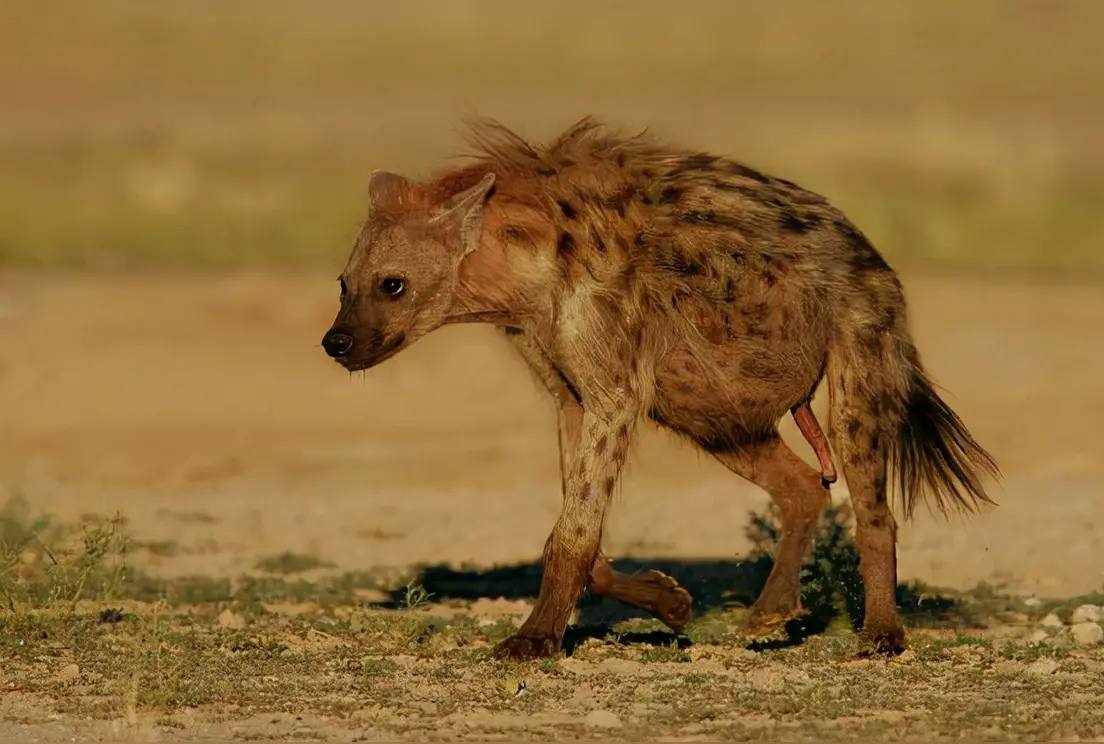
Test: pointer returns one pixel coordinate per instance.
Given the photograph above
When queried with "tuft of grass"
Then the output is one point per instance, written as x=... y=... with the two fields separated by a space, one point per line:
x=832 y=586
x=1033 y=651
x=716 y=627
x=290 y=563
x=377 y=667
x=415 y=595
x=830 y=581
x=42 y=564
x=668 y=653
x=965 y=639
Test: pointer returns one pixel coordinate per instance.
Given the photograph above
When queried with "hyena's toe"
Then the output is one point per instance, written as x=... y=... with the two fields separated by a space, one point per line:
x=887 y=641
x=525 y=647
x=672 y=602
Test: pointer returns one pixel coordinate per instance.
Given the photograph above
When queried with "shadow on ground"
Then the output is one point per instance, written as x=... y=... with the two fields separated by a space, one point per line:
x=831 y=586
x=830 y=589
x=712 y=583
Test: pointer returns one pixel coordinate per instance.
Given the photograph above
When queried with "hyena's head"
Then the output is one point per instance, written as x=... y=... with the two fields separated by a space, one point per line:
x=400 y=279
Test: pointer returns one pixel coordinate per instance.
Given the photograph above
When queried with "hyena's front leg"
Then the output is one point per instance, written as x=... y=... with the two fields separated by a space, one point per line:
x=574 y=543
x=651 y=591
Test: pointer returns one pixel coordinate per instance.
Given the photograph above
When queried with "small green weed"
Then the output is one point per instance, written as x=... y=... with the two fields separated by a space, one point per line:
x=415 y=595
x=42 y=564
x=658 y=654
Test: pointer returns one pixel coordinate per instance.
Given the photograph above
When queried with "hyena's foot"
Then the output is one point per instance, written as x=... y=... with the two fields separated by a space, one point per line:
x=652 y=591
x=526 y=647
x=768 y=621
x=668 y=601
x=887 y=640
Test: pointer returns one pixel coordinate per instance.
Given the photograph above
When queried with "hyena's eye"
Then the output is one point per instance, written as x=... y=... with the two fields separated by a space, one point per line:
x=344 y=287
x=392 y=286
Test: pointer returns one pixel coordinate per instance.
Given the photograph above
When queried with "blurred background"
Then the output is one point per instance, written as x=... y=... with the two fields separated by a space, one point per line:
x=181 y=182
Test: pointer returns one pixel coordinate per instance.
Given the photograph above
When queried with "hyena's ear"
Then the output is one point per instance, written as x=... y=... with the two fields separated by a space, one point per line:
x=465 y=212
x=385 y=189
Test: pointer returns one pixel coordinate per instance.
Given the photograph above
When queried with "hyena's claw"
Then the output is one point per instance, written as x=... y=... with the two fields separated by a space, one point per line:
x=524 y=648
x=882 y=642
x=672 y=602
x=763 y=626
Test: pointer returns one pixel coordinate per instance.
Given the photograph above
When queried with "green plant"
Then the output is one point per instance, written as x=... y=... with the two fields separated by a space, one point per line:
x=830 y=580
x=415 y=595
x=42 y=564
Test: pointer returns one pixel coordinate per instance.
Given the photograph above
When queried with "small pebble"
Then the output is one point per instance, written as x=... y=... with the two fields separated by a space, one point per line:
x=1042 y=667
x=1037 y=637
x=1087 y=613
x=1087 y=634
x=68 y=673
x=1009 y=668
x=230 y=619
x=602 y=719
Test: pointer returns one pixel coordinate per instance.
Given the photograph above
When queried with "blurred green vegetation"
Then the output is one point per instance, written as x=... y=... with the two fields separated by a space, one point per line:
x=224 y=135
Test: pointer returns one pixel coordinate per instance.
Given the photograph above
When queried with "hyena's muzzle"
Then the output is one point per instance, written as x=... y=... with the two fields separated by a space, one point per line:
x=360 y=350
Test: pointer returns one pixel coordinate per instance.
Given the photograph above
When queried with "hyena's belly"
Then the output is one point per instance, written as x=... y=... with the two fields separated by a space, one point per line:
x=726 y=394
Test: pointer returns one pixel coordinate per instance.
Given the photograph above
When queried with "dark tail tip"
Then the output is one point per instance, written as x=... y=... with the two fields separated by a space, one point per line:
x=935 y=456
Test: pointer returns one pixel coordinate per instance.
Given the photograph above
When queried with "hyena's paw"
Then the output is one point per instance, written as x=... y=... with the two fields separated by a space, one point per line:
x=671 y=603
x=766 y=625
x=889 y=641
x=524 y=648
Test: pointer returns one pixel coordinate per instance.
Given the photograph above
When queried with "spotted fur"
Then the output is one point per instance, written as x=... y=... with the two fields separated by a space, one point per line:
x=643 y=280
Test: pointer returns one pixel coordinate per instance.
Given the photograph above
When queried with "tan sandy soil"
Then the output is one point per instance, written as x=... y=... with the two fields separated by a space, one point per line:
x=204 y=411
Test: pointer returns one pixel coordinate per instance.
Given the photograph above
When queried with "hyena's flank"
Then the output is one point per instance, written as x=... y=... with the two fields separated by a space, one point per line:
x=639 y=280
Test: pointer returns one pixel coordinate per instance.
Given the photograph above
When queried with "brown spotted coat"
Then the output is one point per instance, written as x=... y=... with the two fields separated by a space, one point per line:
x=642 y=281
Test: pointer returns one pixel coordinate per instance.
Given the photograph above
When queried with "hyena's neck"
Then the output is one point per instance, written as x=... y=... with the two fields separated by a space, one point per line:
x=508 y=279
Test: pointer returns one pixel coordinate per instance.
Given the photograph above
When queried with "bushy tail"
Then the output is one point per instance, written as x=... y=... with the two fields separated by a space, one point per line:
x=933 y=454
x=885 y=405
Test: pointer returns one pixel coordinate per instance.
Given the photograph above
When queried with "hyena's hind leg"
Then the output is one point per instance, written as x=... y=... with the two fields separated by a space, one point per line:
x=801 y=496
x=862 y=451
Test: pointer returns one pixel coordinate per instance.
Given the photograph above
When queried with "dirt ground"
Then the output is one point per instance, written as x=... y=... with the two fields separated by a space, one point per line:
x=203 y=410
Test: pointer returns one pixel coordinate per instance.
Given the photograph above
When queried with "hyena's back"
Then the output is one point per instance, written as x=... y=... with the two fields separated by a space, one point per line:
x=751 y=288
x=743 y=276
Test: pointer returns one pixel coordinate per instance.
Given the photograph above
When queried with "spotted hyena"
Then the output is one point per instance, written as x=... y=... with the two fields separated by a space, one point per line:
x=639 y=281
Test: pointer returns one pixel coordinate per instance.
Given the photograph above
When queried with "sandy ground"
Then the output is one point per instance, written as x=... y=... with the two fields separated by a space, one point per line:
x=204 y=411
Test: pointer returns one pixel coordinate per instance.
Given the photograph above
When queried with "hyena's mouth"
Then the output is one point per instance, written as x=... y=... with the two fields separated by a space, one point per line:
x=375 y=354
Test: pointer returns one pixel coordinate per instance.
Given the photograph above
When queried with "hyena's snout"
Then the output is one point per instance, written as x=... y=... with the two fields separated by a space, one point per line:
x=357 y=348
x=337 y=343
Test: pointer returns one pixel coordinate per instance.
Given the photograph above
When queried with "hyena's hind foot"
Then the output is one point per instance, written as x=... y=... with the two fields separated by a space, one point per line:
x=767 y=624
x=875 y=640
x=652 y=591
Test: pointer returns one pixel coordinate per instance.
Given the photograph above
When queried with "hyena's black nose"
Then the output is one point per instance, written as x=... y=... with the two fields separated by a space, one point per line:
x=337 y=344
